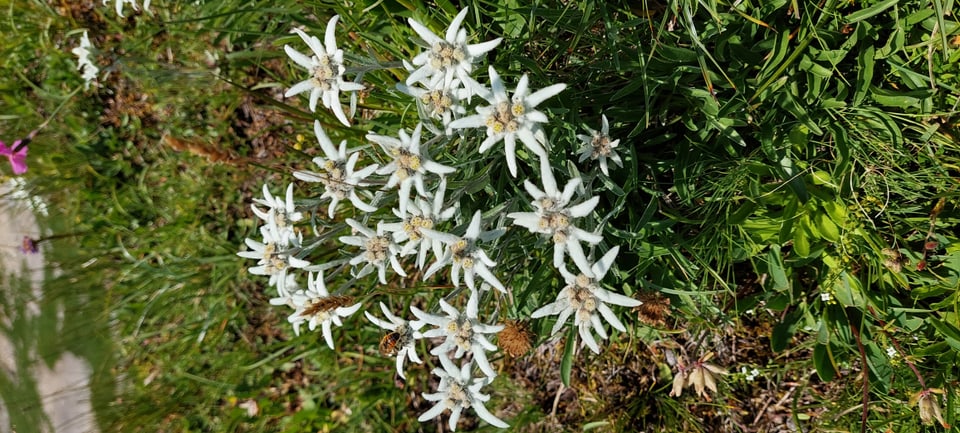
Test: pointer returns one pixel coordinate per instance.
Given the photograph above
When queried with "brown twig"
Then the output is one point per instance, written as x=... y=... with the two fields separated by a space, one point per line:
x=866 y=379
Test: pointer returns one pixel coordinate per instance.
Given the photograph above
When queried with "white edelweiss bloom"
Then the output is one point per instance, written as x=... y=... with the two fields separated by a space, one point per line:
x=400 y=341
x=440 y=104
x=447 y=58
x=463 y=253
x=510 y=118
x=424 y=214
x=84 y=62
x=554 y=215
x=339 y=179
x=409 y=163
x=378 y=249
x=598 y=145
x=279 y=211
x=459 y=390
x=316 y=306
x=118 y=5
x=275 y=255
x=326 y=71
x=463 y=332
x=583 y=298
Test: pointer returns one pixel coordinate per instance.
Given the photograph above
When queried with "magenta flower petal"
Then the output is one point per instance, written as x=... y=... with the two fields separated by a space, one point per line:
x=17 y=159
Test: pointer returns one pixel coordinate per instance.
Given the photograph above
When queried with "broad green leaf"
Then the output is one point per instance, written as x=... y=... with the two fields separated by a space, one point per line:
x=828 y=230
x=823 y=362
x=879 y=363
x=567 y=362
x=871 y=11
x=775 y=267
x=949 y=332
x=901 y=99
x=783 y=331
x=801 y=242
x=848 y=291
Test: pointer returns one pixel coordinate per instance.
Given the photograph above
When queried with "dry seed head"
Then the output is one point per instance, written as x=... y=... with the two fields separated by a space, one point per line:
x=654 y=310
x=515 y=339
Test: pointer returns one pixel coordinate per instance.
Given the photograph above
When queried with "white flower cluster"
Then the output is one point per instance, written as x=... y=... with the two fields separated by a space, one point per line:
x=118 y=5
x=422 y=223
x=84 y=62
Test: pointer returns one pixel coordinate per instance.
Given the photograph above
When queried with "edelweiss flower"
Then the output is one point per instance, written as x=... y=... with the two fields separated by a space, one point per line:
x=447 y=58
x=459 y=390
x=463 y=253
x=339 y=179
x=316 y=306
x=442 y=104
x=583 y=298
x=409 y=163
x=463 y=332
x=282 y=213
x=554 y=216
x=326 y=71
x=275 y=255
x=423 y=215
x=118 y=4
x=84 y=63
x=400 y=340
x=378 y=249
x=509 y=118
x=598 y=145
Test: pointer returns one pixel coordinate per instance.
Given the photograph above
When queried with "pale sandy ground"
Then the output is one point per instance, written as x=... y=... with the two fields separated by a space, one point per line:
x=64 y=387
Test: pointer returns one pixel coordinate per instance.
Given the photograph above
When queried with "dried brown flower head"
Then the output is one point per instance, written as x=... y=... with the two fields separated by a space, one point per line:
x=701 y=375
x=929 y=406
x=515 y=339
x=654 y=310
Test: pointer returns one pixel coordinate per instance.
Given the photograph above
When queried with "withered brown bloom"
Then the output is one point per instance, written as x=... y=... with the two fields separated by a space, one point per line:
x=515 y=339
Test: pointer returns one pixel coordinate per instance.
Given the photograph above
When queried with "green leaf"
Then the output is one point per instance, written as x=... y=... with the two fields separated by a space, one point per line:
x=871 y=11
x=783 y=332
x=865 y=63
x=828 y=230
x=823 y=362
x=801 y=241
x=949 y=332
x=775 y=267
x=567 y=362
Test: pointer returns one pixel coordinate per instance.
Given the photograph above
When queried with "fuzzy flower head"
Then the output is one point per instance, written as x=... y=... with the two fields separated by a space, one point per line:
x=463 y=332
x=508 y=118
x=316 y=307
x=463 y=253
x=449 y=58
x=275 y=256
x=424 y=214
x=84 y=62
x=459 y=390
x=279 y=211
x=409 y=163
x=338 y=176
x=377 y=249
x=400 y=340
x=586 y=301
x=440 y=104
x=554 y=217
x=326 y=71
x=599 y=146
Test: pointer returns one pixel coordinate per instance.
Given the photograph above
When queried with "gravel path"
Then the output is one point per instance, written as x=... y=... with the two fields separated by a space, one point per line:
x=64 y=386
